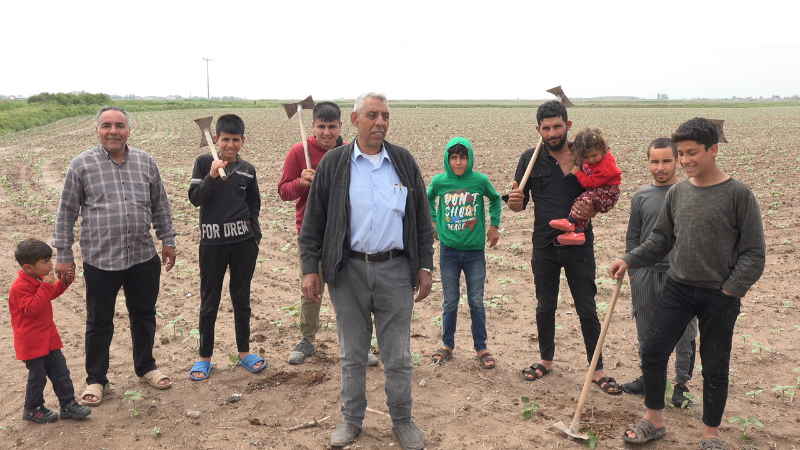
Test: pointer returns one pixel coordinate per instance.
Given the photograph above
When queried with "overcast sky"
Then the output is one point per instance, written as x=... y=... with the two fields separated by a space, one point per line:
x=411 y=49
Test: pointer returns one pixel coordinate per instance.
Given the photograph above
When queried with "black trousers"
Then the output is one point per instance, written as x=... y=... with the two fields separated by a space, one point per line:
x=214 y=260
x=140 y=283
x=579 y=267
x=716 y=316
x=53 y=366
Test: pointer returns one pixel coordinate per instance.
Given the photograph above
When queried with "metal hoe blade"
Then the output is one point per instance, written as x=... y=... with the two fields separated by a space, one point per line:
x=561 y=96
x=291 y=108
x=719 y=123
x=574 y=434
x=205 y=125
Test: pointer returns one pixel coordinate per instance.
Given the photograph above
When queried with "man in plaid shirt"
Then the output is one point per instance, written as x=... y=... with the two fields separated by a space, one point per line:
x=117 y=190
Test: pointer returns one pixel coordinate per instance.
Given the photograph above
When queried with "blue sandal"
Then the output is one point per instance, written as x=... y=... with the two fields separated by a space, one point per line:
x=201 y=366
x=250 y=361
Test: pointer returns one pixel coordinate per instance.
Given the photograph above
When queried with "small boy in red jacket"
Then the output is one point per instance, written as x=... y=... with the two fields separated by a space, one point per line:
x=36 y=338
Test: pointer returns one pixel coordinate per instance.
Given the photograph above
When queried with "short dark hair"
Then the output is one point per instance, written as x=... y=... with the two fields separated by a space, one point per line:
x=550 y=109
x=31 y=251
x=700 y=130
x=663 y=143
x=327 y=112
x=231 y=124
x=458 y=149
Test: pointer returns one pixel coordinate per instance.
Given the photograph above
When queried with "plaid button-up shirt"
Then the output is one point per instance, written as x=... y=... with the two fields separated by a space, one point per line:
x=118 y=204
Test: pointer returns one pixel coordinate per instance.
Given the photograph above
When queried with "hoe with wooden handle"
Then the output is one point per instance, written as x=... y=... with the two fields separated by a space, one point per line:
x=292 y=108
x=561 y=97
x=205 y=130
x=572 y=430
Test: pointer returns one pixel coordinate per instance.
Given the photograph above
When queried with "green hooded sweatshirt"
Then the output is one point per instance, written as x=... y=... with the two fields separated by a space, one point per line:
x=461 y=216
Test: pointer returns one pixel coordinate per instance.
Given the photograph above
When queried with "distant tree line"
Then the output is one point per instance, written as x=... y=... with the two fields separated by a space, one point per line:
x=73 y=98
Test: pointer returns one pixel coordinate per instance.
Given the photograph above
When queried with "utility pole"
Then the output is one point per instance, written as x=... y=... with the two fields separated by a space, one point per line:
x=208 y=84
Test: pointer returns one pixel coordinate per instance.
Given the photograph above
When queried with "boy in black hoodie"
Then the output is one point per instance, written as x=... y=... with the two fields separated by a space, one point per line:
x=230 y=235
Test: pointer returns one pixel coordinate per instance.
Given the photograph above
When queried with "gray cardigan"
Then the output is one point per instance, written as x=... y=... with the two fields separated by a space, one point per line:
x=325 y=235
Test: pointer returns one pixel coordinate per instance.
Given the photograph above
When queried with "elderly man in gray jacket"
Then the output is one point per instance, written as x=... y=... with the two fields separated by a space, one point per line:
x=368 y=221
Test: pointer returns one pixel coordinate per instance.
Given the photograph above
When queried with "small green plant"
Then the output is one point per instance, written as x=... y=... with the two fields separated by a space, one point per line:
x=778 y=332
x=277 y=323
x=261 y=264
x=505 y=281
x=194 y=333
x=593 y=439
x=668 y=395
x=437 y=322
x=373 y=343
x=757 y=350
x=744 y=339
x=235 y=360
x=131 y=397
x=177 y=269
x=787 y=392
x=691 y=401
x=797 y=369
x=416 y=358
x=797 y=327
x=755 y=394
x=745 y=422
x=156 y=431
x=602 y=309
x=528 y=408
x=174 y=325
x=293 y=312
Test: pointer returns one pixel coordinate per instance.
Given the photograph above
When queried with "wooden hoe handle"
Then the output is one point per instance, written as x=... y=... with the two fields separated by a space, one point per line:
x=214 y=154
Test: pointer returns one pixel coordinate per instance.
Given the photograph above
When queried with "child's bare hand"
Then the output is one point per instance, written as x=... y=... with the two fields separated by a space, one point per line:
x=50 y=278
x=492 y=235
x=435 y=234
x=215 y=166
x=575 y=169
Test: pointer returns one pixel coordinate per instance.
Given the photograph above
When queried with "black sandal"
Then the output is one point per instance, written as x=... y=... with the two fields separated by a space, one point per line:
x=532 y=371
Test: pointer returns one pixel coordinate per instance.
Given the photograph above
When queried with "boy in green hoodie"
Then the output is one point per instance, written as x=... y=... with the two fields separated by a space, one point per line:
x=459 y=225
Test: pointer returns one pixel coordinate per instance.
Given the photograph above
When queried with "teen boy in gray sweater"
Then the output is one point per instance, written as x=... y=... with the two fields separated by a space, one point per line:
x=712 y=225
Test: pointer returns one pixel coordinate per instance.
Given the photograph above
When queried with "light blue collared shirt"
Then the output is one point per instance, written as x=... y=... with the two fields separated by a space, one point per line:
x=377 y=203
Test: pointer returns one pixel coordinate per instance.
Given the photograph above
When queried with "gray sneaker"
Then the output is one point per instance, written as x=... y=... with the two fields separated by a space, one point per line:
x=409 y=435
x=372 y=360
x=345 y=434
x=301 y=350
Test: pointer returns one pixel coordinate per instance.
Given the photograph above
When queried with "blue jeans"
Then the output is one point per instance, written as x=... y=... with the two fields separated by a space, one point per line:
x=384 y=290
x=473 y=263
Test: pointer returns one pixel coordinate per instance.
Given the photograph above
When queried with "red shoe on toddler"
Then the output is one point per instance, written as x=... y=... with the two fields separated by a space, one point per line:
x=563 y=225
x=572 y=238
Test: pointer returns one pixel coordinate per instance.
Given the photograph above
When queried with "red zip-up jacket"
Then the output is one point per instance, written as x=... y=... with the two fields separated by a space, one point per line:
x=31 y=308
x=289 y=187
x=604 y=173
